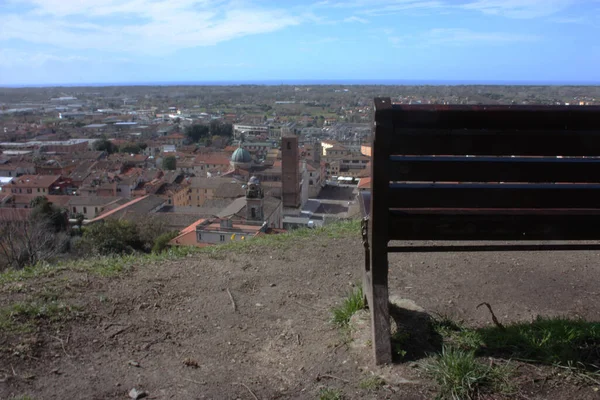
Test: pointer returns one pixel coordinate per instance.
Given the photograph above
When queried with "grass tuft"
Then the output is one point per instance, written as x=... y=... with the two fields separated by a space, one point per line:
x=22 y=316
x=552 y=341
x=460 y=376
x=330 y=394
x=371 y=383
x=354 y=302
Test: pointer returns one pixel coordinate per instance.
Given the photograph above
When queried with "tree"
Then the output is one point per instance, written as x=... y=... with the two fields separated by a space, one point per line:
x=111 y=237
x=105 y=145
x=217 y=128
x=43 y=210
x=25 y=243
x=196 y=132
x=131 y=148
x=169 y=163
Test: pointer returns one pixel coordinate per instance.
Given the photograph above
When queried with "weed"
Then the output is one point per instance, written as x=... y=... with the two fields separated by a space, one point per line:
x=460 y=376
x=371 y=383
x=24 y=397
x=354 y=302
x=330 y=394
x=400 y=339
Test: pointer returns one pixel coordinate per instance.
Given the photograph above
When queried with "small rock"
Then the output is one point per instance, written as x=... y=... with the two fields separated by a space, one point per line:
x=135 y=394
x=273 y=285
x=133 y=363
x=258 y=305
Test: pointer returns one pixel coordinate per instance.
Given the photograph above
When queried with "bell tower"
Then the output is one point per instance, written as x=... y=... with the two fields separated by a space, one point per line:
x=254 y=201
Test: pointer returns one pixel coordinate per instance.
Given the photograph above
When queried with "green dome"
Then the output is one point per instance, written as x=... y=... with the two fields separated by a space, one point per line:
x=241 y=155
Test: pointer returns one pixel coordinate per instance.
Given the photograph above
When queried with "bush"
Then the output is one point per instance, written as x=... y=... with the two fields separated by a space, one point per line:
x=162 y=242
x=112 y=237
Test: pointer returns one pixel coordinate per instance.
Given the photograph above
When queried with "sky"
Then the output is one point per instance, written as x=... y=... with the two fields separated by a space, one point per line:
x=46 y=42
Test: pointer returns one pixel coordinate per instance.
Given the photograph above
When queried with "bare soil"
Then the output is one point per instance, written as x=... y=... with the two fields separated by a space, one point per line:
x=171 y=328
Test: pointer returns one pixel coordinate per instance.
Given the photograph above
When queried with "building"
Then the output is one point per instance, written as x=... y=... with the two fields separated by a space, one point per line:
x=39 y=184
x=243 y=219
x=290 y=172
x=92 y=206
x=240 y=131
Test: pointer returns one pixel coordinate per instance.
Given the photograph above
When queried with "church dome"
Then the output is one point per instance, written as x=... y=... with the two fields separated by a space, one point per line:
x=241 y=155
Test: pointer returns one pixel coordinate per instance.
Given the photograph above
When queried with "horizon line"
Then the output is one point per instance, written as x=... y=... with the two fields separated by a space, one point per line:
x=311 y=82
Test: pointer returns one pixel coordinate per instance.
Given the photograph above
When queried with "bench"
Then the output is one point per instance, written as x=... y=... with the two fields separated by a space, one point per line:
x=476 y=178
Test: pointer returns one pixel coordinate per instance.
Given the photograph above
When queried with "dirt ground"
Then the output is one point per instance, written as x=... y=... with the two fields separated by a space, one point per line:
x=171 y=329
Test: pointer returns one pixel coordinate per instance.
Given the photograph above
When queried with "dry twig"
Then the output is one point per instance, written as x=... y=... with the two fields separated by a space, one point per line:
x=248 y=389
x=496 y=322
x=232 y=300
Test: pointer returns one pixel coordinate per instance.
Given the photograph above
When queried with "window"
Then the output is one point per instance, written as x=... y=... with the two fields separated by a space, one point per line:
x=74 y=210
x=96 y=210
x=28 y=190
x=289 y=146
x=199 y=236
x=253 y=212
x=38 y=190
x=85 y=210
x=310 y=182
x=222 y=238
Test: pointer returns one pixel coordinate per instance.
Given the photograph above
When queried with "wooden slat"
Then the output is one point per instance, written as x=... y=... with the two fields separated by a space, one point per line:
x=495 y=143
x=512 y=225
x=473 y=195
x=494 y=169
x=494 y=247
x=519 y=118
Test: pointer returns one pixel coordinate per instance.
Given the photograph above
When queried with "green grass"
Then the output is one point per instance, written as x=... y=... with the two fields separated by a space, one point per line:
x=552 y=341
x=371 y=383
x=460 y=375
x=330 y=394
x=107 y=266
x=23 y=316
x=354 y=302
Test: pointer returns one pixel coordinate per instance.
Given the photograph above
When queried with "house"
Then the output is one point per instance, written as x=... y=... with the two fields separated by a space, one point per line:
x=242 y=219
x=91 y=206
x=39 y=184
x=137 y=208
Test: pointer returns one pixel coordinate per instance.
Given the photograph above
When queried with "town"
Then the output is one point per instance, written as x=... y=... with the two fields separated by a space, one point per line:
x=212 y=164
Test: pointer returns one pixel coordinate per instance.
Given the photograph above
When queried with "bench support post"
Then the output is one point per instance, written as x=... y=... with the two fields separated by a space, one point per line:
x=376 y=280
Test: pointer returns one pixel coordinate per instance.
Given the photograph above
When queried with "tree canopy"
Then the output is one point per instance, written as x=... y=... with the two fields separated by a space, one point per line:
x=197 y=132
x=169 y=163
x=105 y=145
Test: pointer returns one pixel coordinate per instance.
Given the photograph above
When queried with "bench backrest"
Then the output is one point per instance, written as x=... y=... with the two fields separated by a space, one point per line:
x=485 y=172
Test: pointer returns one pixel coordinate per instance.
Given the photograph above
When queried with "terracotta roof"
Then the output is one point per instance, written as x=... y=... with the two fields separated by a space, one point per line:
x=364 y=183
x=34 y=181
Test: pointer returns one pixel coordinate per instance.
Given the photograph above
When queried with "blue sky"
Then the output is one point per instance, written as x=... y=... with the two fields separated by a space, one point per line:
x=96 y=41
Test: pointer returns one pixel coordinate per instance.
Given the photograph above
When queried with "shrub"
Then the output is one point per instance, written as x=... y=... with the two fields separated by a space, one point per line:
x=111 y=237
x=162 y=242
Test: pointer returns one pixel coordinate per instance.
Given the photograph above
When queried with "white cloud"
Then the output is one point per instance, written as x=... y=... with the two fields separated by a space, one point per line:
x=141 y=26
x=354 y=18
x=18 y=58
x=522 y=9
x=507 y=8
x=458 y=37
